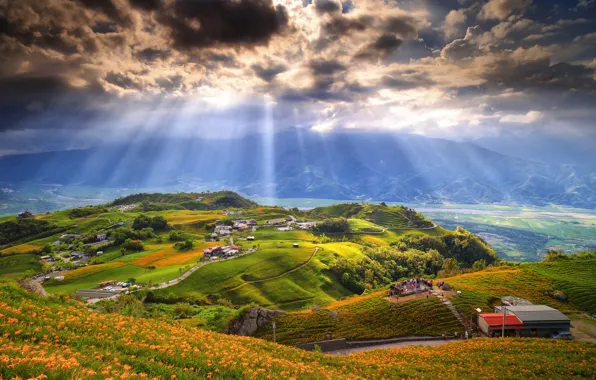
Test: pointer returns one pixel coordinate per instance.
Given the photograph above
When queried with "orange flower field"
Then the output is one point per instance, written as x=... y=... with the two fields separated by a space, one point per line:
x=58 y=338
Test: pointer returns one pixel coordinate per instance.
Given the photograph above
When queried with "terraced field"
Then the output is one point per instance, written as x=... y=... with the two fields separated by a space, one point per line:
x=364 y=318
x=575 y=277
x=389 y=218
x=364 y=226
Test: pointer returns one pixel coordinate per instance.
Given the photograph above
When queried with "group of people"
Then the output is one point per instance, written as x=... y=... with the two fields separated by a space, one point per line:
x=411 y=286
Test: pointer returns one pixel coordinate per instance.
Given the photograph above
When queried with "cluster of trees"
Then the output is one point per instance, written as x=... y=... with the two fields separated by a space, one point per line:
x=554 y=255
x=465 y=247
x=29 y=228
x=184 y=245
x=121 y=234
x=133 y=245
x=86 y=211
x=333 y=225
x=384 y=265
x=157 y=223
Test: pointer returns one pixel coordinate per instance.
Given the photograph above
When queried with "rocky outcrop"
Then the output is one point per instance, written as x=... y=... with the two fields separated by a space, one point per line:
x=33 y=287
x=254 y=318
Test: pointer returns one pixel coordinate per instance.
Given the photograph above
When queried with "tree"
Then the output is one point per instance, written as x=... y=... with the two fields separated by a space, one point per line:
x=141 y=221
x=159 y=223
x=176 y=235
x=134 y=245
x=187 y=245
x=132 y=280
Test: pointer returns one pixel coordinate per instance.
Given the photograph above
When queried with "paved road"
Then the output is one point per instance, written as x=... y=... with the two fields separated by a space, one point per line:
x=349 y=351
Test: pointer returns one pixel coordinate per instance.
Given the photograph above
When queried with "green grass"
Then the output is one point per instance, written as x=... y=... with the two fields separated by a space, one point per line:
x=363 y=226
x=576 y=278
x=16 y=265
x=310 y=285
x=389 y=218
x=122 y=273
x=367 y=318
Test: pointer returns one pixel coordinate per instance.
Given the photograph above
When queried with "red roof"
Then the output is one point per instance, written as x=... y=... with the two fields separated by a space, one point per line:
x=496 y=319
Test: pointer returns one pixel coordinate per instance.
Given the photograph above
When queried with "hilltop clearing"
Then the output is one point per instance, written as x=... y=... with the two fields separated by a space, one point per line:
x=58 y=338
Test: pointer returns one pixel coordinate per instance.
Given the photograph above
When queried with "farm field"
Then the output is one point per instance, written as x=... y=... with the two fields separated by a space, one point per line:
x=93 y=345
x=365 y=318
x=522 y=233
x=574 y=277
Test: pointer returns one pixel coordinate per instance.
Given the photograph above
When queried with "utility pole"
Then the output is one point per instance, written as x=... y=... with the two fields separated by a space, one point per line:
x=503 y=328
x=273 y=331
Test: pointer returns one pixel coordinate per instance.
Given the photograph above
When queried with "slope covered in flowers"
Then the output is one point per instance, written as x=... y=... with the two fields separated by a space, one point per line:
x=58 y=338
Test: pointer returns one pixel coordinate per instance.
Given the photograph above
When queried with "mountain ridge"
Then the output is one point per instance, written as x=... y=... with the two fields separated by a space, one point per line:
x=298 y=164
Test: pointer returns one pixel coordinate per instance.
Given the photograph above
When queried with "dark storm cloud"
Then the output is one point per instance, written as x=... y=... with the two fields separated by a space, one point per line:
x=148 y=5
x=268 y=73
x=327 y=6
x=108 y=8
x=384 y=46
x=150 y=55
x=23 y=97
x=338 y=26
x=214 y=22
x=322 y=67
x=122 y=80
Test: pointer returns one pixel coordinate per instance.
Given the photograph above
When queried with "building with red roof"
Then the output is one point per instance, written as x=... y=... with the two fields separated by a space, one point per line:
x=492 y=323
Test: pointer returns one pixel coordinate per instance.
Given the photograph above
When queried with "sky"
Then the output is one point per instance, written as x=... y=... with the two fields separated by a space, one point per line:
x=74 y=73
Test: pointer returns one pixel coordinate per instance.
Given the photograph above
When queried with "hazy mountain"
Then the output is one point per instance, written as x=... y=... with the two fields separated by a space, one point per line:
x=401 y=168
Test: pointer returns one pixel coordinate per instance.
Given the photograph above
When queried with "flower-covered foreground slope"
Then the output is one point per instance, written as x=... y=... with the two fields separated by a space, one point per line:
x=58 y=338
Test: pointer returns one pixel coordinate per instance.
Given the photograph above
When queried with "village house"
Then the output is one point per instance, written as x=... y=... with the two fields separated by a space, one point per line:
x=223 y=230
x=101 y=237
x=285 y=228
x=274 y=222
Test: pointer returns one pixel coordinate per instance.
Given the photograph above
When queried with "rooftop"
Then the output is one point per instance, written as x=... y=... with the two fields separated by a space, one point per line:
x=496 y=319
x=537 y=313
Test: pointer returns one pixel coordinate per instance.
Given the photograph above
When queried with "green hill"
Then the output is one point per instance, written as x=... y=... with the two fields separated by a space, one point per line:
x=57 y=338
x=186 y=201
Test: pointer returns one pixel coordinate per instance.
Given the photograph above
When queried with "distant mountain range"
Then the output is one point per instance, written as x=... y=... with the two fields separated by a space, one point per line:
x=300 y=164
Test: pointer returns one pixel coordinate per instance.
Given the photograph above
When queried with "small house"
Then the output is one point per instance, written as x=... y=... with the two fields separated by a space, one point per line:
x=491 y=324
x=295 y=245
x=99 y=253
x=101 y=237
x=538 y=320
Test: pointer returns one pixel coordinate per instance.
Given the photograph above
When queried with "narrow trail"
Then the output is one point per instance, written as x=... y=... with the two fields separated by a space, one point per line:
x=456 y=313
x=282 y=274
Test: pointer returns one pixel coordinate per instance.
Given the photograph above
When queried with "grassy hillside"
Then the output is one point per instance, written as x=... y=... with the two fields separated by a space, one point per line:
x=574 y=277
x=390 y=217
x=307 y=286
x=365 y=318
x=57 y=338
x=191 y=201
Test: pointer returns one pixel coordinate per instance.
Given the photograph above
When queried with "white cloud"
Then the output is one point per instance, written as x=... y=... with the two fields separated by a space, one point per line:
x=454 y=21
x=528 y=118
x=501 y=9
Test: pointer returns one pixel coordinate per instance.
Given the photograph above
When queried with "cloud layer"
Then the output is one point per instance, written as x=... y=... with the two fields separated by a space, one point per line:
x=441 y=68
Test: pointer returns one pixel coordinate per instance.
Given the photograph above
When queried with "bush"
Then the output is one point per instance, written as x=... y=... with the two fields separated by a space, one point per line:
x=334 y=225
x=184 y=246
x=134 y=245
x=176 y=235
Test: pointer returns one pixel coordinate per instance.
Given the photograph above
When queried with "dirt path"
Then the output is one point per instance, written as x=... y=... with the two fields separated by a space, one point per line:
x=283 y=274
